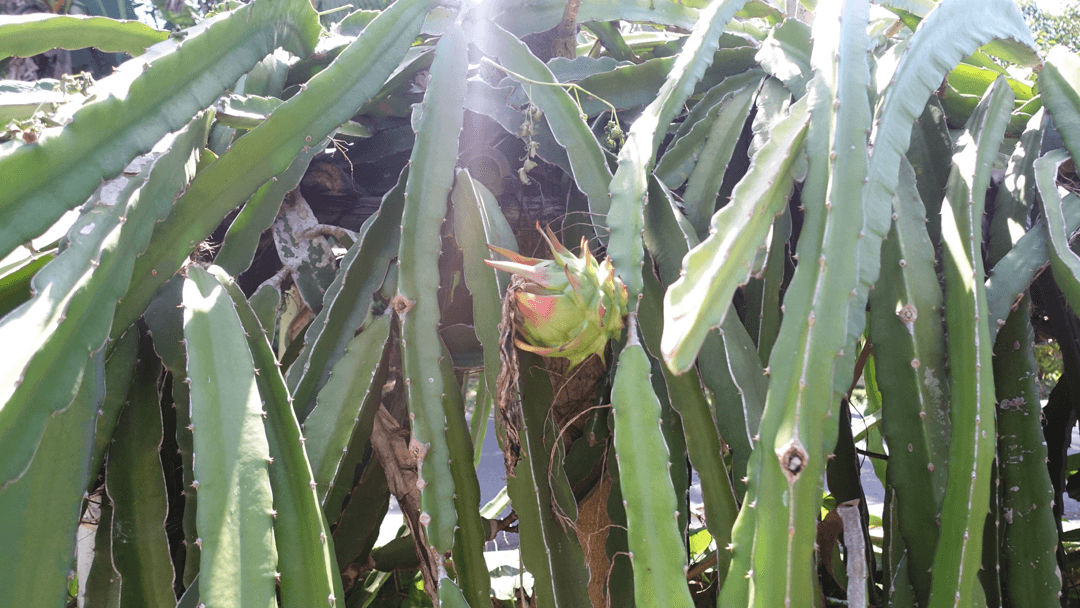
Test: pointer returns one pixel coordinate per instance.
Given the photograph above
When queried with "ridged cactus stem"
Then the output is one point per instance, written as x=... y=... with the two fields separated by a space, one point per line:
x=548 y=550
x=906 y=322
x=69 y=315
x=1029 y=572
x=431 y=176
x=629 y=185
x=473 y=581
x=136 y=487
x=668 y=243
x=787 y=465
x=970 y=349
x=139 y=104
x=364 y=272
x=327 y=100
x=165 y=319
x=1029 y=568
x=231 y=455
x=43 y=506
x=656 y=549
x=307 y=571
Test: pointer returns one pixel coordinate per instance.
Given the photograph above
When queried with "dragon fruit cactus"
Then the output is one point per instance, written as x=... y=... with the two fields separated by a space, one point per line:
x=568 y=306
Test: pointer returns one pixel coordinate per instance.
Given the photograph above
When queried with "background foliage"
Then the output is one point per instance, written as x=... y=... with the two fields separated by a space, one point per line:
x=244 y=302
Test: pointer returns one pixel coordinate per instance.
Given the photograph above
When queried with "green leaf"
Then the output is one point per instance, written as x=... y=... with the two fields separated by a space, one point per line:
x=119 y=370
x=609 y=35
x=472 y=530
x=29 y=35
x=70 y=314
x=1010 y=277
x=242 y=238
x=364 y=277
x=974 y=80
x=1016 y=197
x=450 y=596
x=587 y=160
x=103 y=582
x=15 y=284
x=190 y=598
x=918 y=8
x=478 y=221
x=1029 y=538
x=703 y=184
x=265 y=303
x=165 y=320
x=682 y=154
x=346 y=404
x=301 y=123
x=541 y=16
x=1059 y=85
x=632 y=85
x=935 y=48
x=811 y=354
x=785 y=54
x=714 y=269
x=967 y=83
x=907 y=329
x=629 y=185
x=357 y=524
x=549 y=551
x=704 y=445
x=1063 y=261
x=730 y=369
x=141 y=102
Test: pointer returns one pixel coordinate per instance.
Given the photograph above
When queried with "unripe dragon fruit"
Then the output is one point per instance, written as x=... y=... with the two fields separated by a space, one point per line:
x=568 y=306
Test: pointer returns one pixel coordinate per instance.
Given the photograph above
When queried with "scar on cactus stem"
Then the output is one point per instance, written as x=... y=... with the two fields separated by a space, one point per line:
x=401 y=304
x=567 y=306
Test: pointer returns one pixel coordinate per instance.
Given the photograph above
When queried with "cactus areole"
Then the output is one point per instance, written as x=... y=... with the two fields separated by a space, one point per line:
x=568 y=306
